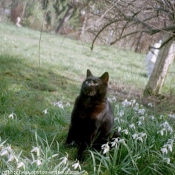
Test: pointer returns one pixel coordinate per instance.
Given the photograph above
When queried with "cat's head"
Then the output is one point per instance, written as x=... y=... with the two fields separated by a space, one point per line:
x=93 y=86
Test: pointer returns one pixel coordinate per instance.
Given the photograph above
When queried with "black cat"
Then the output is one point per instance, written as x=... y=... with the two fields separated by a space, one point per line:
x=92 y=120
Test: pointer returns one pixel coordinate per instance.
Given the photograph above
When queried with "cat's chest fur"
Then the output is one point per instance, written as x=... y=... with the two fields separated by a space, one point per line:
x=91 y=110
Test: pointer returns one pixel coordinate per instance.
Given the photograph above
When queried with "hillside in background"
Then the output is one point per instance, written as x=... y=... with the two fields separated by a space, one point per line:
x=81 y=20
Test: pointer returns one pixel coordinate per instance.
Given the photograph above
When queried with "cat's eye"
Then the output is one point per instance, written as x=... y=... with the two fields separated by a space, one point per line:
x=95 y=83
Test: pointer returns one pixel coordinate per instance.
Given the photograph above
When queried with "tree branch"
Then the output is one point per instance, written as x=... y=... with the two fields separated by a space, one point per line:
x=124 y=12
x=104 y=27
x=153 y=31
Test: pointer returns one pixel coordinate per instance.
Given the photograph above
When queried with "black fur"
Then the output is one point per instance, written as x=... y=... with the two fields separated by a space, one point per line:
x=92 y=120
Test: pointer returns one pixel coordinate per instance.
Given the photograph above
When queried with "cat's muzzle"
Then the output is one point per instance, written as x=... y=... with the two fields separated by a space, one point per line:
x=89 y=91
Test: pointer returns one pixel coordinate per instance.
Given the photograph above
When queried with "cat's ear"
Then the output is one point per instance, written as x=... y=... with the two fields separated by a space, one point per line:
x=105 y=77
x=88 y=73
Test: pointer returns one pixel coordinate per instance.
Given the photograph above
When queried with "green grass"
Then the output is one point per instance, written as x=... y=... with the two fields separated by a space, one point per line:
x=36 y=72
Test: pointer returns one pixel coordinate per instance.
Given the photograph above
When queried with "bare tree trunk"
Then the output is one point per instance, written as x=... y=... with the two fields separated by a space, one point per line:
x=65 y=18
x=138 y=43
x=164 y=59
x=111 y=32
x=24 y=8
x=84 y=20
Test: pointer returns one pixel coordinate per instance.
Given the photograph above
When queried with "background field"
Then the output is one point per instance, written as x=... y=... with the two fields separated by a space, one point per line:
x=38 y=70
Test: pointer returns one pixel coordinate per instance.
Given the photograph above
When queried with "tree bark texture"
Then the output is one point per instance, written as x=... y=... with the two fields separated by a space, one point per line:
x=164 y=59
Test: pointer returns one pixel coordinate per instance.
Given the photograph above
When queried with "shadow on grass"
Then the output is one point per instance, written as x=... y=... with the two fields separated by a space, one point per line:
x=32 y=85
x=25 y=91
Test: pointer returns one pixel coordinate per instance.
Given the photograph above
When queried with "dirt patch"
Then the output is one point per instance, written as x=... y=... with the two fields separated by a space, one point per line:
x=122 y=92
x=161 y=103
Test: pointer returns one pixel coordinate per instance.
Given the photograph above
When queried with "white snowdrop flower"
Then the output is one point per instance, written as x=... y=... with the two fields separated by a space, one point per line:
x=115 y=142
x=117 y=119
x=170 y=147
x=105 y=148
x=136 y=107
x=12 y=157
x=139 y=123
x=67 y=104
x=11 y=115
x=167 y=160
x=161 y=132
x=170 y=129
x=161 y=117
x=37 y=150
x=164 y=150
x=152 y=117
x=9 y=149
x=171 y=141
x=45 y=111
x=4 y=152
x=141 y=111
x=150 y=104
x=125 y=131
x=140 y=138
x=171 y=116
x=119 y=129
x=170 y=144
x=132 y=126
x=133 y=101
x=38 y=162
x=64 y=160
x=122 y=141
x=142 y=118
x=134 y=136
x=142 y=134
x=76 y=165
x=114 y=98
x=21 y=165
x=126 y=103
x=167 y=126
x=3 y=173
x=121 y=113
x=60 y=104
x=109 y=99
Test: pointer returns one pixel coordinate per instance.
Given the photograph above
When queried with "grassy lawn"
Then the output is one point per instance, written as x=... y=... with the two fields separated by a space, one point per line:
x=40 y=76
